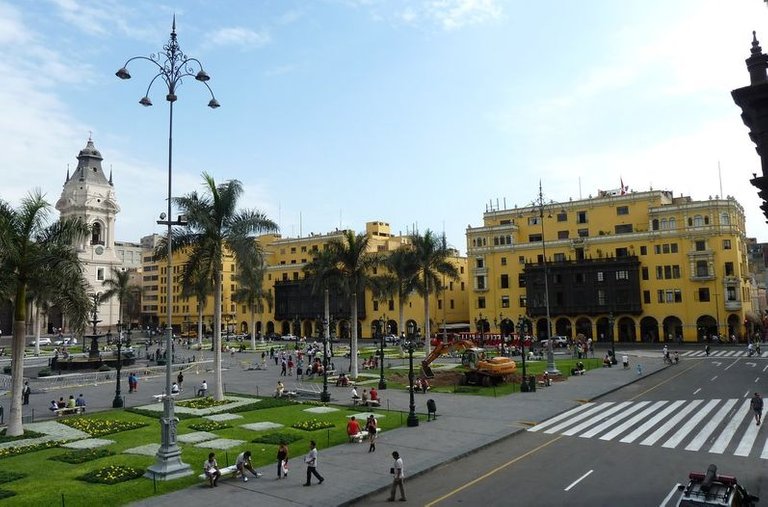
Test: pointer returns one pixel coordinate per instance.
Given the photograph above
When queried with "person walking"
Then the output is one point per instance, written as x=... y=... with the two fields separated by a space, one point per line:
x=397 y=480
x=371 y=426
x=180 y=379
x=282 y=461
x=706 y=349
x=757 y=407
x=311 y=460
x=25 y=392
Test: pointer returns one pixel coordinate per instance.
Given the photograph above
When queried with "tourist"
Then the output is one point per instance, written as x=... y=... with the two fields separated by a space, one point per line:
x=353 y=428
x=54 y=406
x=71 y=401
x=211 y=469
x=397 y=480
x=175 y=389
x=61 y=403
x=282 y=461
x=25 y=392
x=243 y=463
x=374 y=395
x=371 y=426
x=80 y=402
x=203 y=389
x=279 y=389
x=180 y=379
x=311 y=460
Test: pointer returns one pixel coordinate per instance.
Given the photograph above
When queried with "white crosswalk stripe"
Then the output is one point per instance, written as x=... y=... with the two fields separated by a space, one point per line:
x=721 y=353
x=681 y=424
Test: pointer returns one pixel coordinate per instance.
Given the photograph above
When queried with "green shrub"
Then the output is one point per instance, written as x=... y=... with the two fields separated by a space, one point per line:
x=104 y=367
x=112 y=474
x=312 y=425
x=6 y=493
x=27 y=434
x=82 y=455
x=6 y=476
x=44 y=372
x=156 y=415
x=7 y=452
x=276 y=438
x=209 y=426
x=101 y=427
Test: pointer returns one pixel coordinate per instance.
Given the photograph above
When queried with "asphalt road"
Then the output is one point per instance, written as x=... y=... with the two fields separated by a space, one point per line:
x=672 y=423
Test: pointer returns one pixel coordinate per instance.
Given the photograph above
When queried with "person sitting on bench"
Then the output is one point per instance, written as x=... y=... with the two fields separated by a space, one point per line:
x=353 y=428
x=424 y=385
x=175 y=388
x=279 y=389
x=211 y=469
x=342 y=381
x=355 y=396
x=243 y=463
x=54 y=406
x=374 y=396
x=203 y=390
x=607 y=361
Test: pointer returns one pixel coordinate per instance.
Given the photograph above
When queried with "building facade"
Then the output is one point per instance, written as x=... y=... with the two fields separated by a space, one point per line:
x=627 y=266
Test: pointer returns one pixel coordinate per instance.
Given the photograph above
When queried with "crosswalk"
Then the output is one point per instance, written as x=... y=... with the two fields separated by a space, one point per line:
x=721 y=353
x=716 y=426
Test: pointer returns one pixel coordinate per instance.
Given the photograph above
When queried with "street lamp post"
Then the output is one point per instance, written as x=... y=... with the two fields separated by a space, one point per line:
x=501 y=332
x=521 y=329
x=410 y=346
x=551 y=368
x=172 y=66
x=481 y=329
x=610 y=335
x=118 y=401
x=382 y=337
x=325 y=396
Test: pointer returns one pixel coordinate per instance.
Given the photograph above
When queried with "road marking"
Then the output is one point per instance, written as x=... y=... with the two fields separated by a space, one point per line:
x=491 y=472
x=713 y=423
x=729 y=366
x=650 y=424
x=670 y=379
x=576 y=418
x=696 y=391
x=747 y=440
x=578 y=480
x=560 y=417
x=766 y=366
x=717 y=363
x=670 y=495
x=669 y=424
x=756 y=379
x=713 y=378
x=750 y=363
x=628 y=424
x=725 y=437
x=613 y=420
x=594 y=420
x=691 y=423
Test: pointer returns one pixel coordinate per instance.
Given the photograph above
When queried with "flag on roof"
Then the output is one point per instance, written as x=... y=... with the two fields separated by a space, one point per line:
x=623 y=189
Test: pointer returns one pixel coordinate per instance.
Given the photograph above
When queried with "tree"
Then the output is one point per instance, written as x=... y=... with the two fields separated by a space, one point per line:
x=350 y=257
x=432 y=255
x=119 y=285
x=199 y=285
x=402 y=278
x=34 y=254
x=250 y=283
x=323 y=275
x=215 y=226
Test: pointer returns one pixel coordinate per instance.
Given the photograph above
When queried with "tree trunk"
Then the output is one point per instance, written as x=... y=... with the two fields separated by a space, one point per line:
x=200 y=326
x=15 y=427
x=427 y=333
x=218 y=388
x=353 y=334
x=37 y=328
x=253 y=326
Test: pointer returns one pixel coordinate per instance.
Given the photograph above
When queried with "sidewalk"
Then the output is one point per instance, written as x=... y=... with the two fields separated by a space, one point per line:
x=464 y=425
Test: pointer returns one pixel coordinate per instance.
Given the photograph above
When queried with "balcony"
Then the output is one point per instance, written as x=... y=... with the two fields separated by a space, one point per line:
x=733 y=305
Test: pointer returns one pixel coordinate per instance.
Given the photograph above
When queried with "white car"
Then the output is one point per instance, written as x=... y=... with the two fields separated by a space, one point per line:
x=42 y=341
x=66 y=341
x=557 y=341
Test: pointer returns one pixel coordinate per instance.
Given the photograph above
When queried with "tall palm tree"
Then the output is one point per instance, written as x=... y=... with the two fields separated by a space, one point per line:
x=354 y=263
x=432 y=255
x=119 y=285
x=402 y=278
x=215 y=226
x=323 y=274
x=199 y=285
x=250 y=283
x=36 y=254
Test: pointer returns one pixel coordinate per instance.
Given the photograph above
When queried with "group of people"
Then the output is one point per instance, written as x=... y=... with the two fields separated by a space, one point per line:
x=133 y=382
x=371 y=428
x=371 y=363
x=366 y=397
x=70 y=403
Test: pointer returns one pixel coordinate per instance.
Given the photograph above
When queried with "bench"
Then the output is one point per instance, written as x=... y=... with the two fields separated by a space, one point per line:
x=574 y=371
x=160 y=397
x=371 y=403
x=68 y=410
x=362 y=435
x=231 y=470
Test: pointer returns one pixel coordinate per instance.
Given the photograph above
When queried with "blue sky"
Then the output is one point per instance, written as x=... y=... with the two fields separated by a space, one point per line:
x=339 y=112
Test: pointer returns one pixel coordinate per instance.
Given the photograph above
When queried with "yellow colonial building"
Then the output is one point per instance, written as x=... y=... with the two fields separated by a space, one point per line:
x=293 y=308
x=636 y=266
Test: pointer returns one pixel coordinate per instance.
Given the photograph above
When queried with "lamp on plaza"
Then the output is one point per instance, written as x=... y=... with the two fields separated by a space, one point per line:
x=521 y=332
x=325 y=396
x=297 y=330
x=228 y=318
x=410 y=346
x=551 y=368
x=502 y=331
x=610 y=335
x=480 y=324
x=172 y=65
x=382 y=336
x=118 y=401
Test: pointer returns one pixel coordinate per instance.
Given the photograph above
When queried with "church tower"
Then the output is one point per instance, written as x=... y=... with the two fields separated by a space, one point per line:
x=88 y=194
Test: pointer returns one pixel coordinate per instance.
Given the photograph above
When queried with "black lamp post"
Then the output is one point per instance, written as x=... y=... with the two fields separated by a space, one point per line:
x=118 y=401
x=521 y=330
x=325 y=396
x=481 y=329
x=171 y=66
x=610 y=334
x=227 y=318
x=297 y=331
x=502 y=332
x=382 y=335
x=410 y=346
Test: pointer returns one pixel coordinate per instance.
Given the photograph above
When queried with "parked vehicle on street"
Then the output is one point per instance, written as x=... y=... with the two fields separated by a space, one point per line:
x=66 y=341
x=42 y=341
x=557 y=341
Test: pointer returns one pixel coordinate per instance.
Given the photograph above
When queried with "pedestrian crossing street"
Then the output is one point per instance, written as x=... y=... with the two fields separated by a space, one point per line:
x=721 y=353
x=716 y=426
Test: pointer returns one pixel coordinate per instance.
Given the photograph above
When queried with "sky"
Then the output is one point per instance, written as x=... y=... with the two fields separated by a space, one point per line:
x=421 y=114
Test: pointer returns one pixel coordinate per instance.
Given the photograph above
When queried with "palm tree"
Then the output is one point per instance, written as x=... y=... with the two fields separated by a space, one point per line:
x=432 y=255
x=323 y=274
x=215 y=226
x=199 y=285
x=402 y=278
x=354 y=264
x=34 y=254
x=250 y=283
x=119 y=285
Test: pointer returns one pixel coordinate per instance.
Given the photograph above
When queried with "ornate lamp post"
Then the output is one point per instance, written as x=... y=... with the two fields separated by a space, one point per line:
x=297 y=330
x=610 y=335
x=172 y=65
x=480 y=323
x=93 y=352
x=410 y=346
x=521 y=331
x=551 y=367
x=118 y=401
x=382 y=337
x=325 y=396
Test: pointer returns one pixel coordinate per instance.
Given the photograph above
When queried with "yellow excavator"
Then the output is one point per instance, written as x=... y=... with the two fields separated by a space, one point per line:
x=481 y=370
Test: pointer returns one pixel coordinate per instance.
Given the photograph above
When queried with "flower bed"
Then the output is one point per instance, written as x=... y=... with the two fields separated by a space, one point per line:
x=312 y=425
x=201 y=403
x=27 y=434
x=6 y=476
x=112 y=474
x=276 y=438
x=101 y=427
x=7 y=452
x=209 y=426
x=5 y=493
x=82 y=455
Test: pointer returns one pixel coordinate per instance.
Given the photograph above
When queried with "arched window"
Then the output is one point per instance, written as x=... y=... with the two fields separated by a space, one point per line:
x=655 y=224
x=672 y=224
x=664 y=224
x=706 y=219
x=96 y=238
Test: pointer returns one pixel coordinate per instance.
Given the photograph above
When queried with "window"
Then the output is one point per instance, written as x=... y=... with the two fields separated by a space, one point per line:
x=644 y=271
x=675 y=271
x=533 y=220
x=730 y=294
x=480 y=282
x=600 y=276
x=505 y=281
x=667 y=272
x=704 y=294
x=293 y=249
x=622 y=252
x=559 y=257
x=673 y=247
x=702 y=269
x=647 y=297
x=557 y=278
x=479 y=263
x=581 y=217
x=562 y=234
x=521 y=280
x=622 y=210
x=643 y=250
x=439 y=304
x=725 y=219
x=726 y=244
x=450 y=285
x=672 y=223
x=583 y=233
x=655 y=224
x=659 y=272
x=503 y=261
x=623 y=228
x=678 y=296
x=100 y=272
x=729 y=269
x=657 y=249
x=481 y=302
x=665 y=248
x=392 y=305
x=533 y=238
x=601 y=297
x=505 y=301
x=462 y=286
x=622 y=274
x=453 y=305
x=562 y=217
x=698 y=221
x=296 y=276
x=523 y=301
x=521 y=259
x=376 y=305
x=659 y=296
x=700 y=245
x=669 y=296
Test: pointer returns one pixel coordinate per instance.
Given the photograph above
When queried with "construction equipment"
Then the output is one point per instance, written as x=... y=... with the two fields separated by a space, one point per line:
x=481 y=370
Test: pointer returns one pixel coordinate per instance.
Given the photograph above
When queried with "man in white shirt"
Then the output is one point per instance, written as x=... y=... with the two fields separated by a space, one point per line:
x=397 y=481
x=203 y=391
x=243 y=463
x=311 y=460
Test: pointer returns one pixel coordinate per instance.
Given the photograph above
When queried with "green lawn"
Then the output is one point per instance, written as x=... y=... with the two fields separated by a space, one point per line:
x=46 y=480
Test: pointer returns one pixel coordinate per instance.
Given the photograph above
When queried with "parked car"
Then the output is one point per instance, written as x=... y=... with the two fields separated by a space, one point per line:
x=42 y=341
x=289 y=338
x=66 y=341
x=557 y=341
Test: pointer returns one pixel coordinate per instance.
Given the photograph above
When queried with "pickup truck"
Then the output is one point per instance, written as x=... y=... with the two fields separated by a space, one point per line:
x=558 y=341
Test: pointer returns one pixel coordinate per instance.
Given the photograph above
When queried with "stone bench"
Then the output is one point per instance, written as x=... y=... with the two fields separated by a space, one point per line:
x=68 y=410
x=362 y=435
x=160 y=397
x=229 y=471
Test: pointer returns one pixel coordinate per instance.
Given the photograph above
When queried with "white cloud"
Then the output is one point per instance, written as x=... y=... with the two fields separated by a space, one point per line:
x=238 y=36
x=454 y=14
